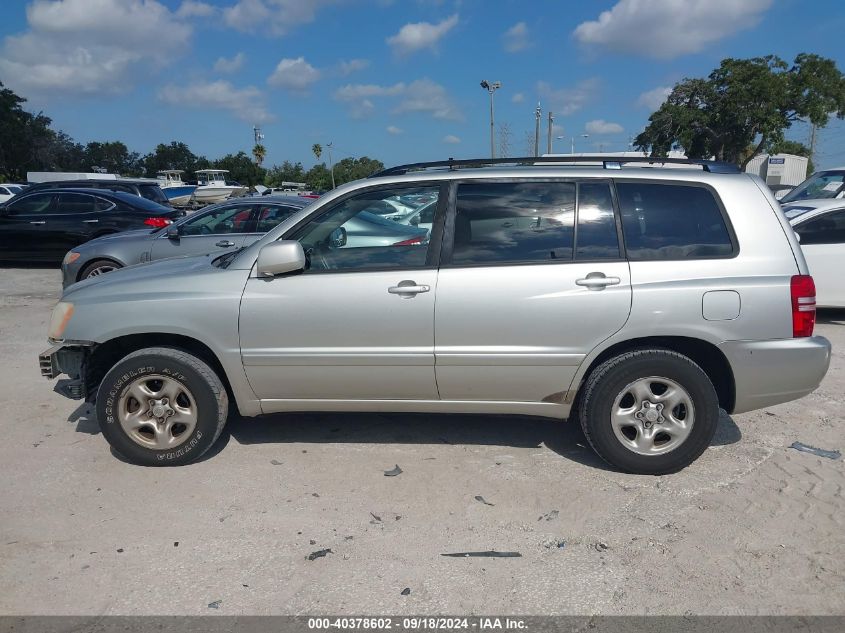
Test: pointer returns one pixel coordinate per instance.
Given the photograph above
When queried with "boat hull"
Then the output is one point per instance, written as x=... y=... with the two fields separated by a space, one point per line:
x=207 y=194
x=179 y=195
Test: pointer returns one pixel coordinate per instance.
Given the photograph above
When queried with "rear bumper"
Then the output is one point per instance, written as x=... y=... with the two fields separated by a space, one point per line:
x=67 y=358
x=771 y=372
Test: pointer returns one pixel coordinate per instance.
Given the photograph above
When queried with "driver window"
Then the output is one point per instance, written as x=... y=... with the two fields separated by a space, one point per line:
x=219 y=221
x=375 y=229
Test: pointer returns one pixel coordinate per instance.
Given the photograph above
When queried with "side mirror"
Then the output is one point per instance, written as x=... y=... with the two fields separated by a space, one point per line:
x=415 y=221
x=337 y=239
x=173 y=233
x=278 y=258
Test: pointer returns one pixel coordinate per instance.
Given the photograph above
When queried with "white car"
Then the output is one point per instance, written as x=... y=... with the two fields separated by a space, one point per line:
x=820 y=226
x=8 y=190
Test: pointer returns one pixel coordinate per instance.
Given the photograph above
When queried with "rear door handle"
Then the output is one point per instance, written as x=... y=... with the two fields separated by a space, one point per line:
x=224 y=244
x=597 y=281
x=90 y=221
x=38 y=222
x=408 y=289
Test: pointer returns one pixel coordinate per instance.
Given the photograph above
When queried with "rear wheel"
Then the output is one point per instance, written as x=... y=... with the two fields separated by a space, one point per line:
x=650 y=411
x=98 y=267
x=161 y=407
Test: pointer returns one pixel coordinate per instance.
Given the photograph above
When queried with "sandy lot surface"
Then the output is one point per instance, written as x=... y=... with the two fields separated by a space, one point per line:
x=752 y=527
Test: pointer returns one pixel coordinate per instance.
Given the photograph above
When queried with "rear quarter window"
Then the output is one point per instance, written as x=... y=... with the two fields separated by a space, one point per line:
x=663 y=221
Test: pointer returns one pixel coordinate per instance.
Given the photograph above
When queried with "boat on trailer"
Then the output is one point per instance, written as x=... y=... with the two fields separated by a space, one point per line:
x=212 y=186
x=180 y=194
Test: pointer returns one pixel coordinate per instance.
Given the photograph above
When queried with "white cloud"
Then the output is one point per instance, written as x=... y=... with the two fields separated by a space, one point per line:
x=518 y=98
x=600 y=126
x=244 y=103
x=422 y=95
x=85 y=47
x=417 y=36
x=294 y=74
x=566 y=101
x=451 y=139
x=665 y=29
x=348 y=66
x=195 y=9
x=515 y=38
x=653 y=99
x=274 y=17
x=392 y=129
x=225 y=65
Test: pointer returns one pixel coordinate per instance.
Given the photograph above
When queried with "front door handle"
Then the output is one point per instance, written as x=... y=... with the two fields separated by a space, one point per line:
x=597 y=281
x=90 y=221
x=38 y=222
x=224 y=244
x=407 y=289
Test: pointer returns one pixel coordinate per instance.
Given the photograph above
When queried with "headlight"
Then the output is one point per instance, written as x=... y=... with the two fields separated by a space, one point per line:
x=59 y=319
x=70 y=258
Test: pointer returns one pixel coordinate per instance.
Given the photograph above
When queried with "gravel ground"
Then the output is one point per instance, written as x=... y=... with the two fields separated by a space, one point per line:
x=752 y=527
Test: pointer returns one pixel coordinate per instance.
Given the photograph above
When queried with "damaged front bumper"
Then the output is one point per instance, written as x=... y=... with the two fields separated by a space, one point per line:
x=70 y=358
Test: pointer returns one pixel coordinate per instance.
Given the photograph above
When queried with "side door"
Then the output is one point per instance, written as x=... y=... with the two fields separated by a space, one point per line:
x=358 y=323
x=23 y=224
x=532 y=279
x=267 y=216
x=823 y=243
x=73 y=220
x=220 y=229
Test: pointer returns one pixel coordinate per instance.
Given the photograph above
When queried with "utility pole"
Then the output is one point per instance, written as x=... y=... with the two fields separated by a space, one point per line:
x=537 y=114
x=491 y=88
x=549 y=143
x=256 y=131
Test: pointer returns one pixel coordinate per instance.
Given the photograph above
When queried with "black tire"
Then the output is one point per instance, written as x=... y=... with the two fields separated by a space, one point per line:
x=97 y=263
x=608 y=381
x=204 y=385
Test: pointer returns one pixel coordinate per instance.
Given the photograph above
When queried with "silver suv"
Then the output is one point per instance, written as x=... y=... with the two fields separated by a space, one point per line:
x=637 y=299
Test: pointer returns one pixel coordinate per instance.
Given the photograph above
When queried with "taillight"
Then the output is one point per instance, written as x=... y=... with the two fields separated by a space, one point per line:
x=414 y=240
x=803 y=291
x=158 y=223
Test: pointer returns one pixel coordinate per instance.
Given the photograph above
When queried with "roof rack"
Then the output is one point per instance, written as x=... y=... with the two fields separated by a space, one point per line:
x=607 y=162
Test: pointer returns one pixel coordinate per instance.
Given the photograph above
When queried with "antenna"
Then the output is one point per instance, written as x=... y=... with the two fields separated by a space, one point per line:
x=256 y=131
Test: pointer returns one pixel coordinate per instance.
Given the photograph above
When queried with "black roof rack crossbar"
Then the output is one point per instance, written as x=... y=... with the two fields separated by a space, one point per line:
x=608 y=162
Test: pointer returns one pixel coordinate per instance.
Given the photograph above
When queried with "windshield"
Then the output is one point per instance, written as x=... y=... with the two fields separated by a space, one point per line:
x=825 y=184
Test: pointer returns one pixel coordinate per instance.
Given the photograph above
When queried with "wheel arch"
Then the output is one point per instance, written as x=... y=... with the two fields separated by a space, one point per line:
x=103 y=258
x=705 y=354
x=106 y=355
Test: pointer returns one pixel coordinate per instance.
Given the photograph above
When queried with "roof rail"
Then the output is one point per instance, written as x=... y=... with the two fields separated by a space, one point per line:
x=606 y=161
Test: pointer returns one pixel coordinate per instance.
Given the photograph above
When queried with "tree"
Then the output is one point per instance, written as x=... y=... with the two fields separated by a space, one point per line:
x=319 y=178
x=350 y=169
x=114 y=157
x=745 y=102
x=25 y=139
x=317 y=149
x=241 y=168
x=259 y=152
x=175 y=155
x=287 y=172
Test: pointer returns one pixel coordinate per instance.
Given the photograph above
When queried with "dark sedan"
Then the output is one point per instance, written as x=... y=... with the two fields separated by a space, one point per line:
x=224 y=227
x=44 y=225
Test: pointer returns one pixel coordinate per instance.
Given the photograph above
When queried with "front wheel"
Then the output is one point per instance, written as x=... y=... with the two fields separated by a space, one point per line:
x=649 y=412
x=161 y=406
x=98 y=267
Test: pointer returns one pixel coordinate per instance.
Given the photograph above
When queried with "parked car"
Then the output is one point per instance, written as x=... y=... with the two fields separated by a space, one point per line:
x=826 y=184
x=820 y=224
x=44 y=225
x=143 y=188
x=780 y=191
x=8 y=190
x=225 y=226
x=637 y=301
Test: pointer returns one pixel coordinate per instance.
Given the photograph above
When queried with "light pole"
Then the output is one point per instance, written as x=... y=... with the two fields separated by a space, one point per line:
x=491 y=88
x=571 y=141
x=331 y=164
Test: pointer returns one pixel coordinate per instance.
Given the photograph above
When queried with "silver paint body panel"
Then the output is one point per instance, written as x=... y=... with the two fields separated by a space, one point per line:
x=503 y=339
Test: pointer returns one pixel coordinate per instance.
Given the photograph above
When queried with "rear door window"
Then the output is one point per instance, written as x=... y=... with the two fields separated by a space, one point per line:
x=229 y=219
x=270 y=215
x=75 y=203
x=664 y=221
x=524 y=222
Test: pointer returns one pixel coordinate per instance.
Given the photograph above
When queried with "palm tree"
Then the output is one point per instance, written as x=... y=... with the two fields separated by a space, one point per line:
x=317 y=149
x=259 y=152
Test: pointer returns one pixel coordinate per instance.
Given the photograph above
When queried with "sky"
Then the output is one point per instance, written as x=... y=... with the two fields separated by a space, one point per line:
x=396 y=80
